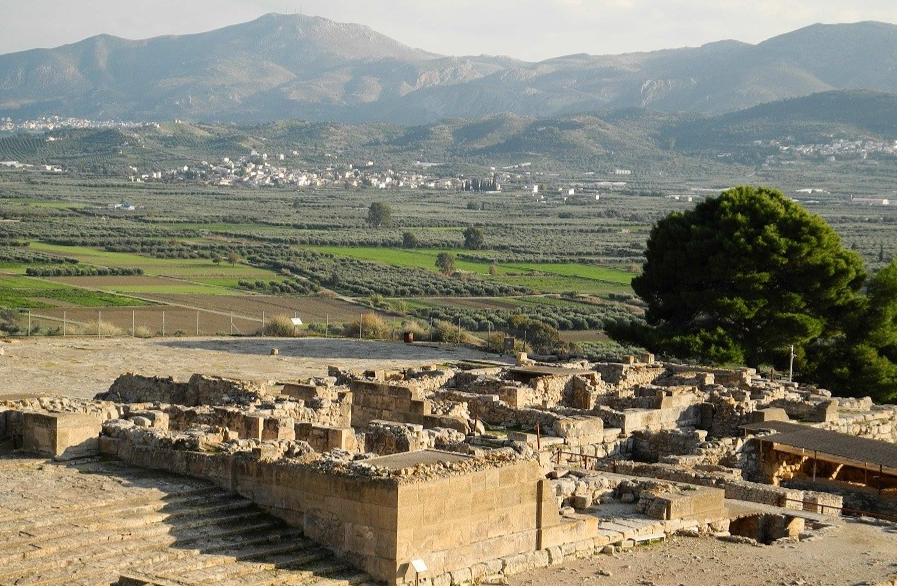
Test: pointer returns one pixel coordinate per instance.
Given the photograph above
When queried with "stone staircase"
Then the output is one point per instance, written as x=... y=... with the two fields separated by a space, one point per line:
x=90 y=522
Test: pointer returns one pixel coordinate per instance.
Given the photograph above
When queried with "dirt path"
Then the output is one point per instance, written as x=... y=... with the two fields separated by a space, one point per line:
x=852 y=554
x=83 y=367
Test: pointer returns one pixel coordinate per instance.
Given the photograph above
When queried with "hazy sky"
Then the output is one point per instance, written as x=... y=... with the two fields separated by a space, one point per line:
x=526 y=29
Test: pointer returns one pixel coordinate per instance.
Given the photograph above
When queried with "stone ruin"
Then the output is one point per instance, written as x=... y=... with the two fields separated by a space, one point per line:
x=480 y=471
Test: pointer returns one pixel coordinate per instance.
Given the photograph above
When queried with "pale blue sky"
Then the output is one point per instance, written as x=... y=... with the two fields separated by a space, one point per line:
x=526 y=29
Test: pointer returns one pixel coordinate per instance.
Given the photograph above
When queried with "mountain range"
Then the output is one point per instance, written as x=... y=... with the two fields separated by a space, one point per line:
x=311 y=68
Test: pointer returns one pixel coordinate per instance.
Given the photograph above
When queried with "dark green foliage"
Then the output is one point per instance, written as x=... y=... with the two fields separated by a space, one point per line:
x=474 y=238
x=563 y=315
x=862 y=361
x=445 y=262
x=543 y=338
x=76 y=271
x=409 y=240
x=379 y=215
x=294 y=286
x=743 y=276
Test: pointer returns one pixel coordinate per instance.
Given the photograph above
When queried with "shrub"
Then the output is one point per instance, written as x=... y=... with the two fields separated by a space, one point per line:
x=102 y=328
x=371 y=326
x=279 y=326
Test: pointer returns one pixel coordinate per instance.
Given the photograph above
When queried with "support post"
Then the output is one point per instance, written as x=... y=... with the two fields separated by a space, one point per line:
x=791 y=365
x=163 y=323
x=29 y=322
x=133 y=322
x=99 y=321
x=197 y=323
x=63 y=324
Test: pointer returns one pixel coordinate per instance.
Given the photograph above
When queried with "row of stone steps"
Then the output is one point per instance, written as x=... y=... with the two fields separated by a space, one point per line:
x=105 y=519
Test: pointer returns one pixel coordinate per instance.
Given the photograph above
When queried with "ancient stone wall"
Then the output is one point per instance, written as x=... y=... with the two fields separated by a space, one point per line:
x=734 y=487
x=650 y=446
x=626 y=376
x=199 y=390
x=453 y=516
x=877 y=422
x=375 y=400
x=631 y=420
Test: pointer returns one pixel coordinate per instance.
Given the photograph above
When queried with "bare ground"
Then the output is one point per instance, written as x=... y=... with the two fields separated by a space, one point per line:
x=852 y=554
x=83 y=367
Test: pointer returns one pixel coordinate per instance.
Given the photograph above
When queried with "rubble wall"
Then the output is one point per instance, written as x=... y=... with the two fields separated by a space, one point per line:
x=199 y=390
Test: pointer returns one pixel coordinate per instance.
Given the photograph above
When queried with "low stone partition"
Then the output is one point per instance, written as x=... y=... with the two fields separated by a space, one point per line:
x=650 y=446
x=324 y=438
x=376 y=400
x=734 y=488
x=627 y=376
x=631 y=420
x=812 y=408
x=492 y=410
x=199 y=390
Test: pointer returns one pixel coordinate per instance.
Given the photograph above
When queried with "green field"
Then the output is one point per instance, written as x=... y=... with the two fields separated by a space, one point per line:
x=201 y=268
x=541 y=277
x=23 y=292
x=578 y=271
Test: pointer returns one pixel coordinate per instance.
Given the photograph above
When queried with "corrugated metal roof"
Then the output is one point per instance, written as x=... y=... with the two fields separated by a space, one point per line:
x=833 y=443
x=779 y=426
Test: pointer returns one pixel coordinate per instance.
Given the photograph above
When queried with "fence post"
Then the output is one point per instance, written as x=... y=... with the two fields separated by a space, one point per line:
x=232 y=323
x=263 y=322
x=99 y=321
x=29 y=322
x=163 y=323
x=133 y=323
x=327 y=325
x=360 y=327
x=63 y=324
x=197 y=323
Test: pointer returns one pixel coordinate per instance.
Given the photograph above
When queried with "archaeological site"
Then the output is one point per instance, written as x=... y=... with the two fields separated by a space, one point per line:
x=449 y=474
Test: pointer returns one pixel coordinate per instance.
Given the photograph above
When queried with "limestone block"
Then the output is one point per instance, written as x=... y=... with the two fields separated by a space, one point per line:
x=141 y=421
x=63 y=436
x=582 y=501
x=462 y=577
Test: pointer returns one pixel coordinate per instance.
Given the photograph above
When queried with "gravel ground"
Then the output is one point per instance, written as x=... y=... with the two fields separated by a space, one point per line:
x=83 y=367
x=848 y=555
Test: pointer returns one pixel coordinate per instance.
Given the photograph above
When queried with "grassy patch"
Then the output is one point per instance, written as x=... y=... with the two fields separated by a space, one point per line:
x=20 y=292
x=579 y=271
x=560 y=284
x=542 y=277
x=175 y=267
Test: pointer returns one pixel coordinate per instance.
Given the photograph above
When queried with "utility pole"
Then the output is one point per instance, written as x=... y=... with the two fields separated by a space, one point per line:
x=791 y=365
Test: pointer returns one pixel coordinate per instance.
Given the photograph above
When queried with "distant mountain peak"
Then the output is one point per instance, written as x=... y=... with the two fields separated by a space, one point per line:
x=310 y=67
